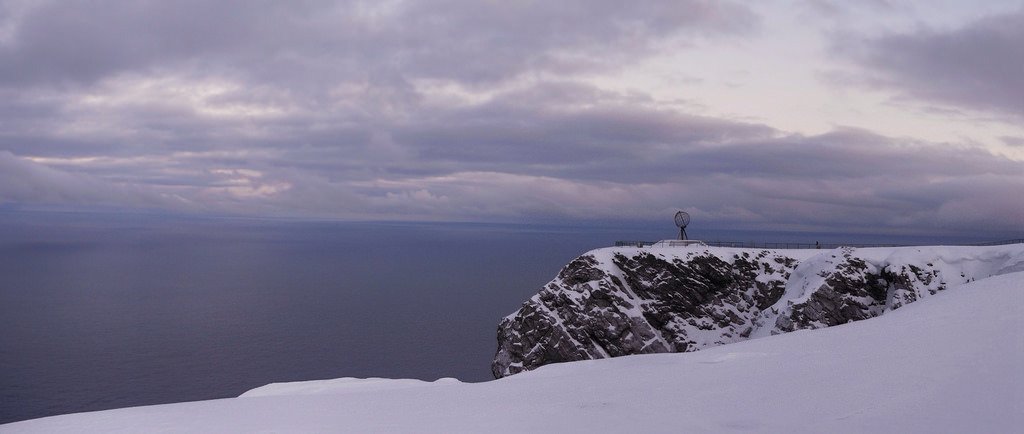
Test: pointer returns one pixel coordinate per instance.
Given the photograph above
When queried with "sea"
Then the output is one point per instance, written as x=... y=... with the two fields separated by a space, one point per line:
x=104 y=310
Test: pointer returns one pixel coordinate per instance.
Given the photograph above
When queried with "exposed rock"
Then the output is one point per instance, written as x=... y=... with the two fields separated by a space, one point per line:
x=852 y=290
x=619 y=301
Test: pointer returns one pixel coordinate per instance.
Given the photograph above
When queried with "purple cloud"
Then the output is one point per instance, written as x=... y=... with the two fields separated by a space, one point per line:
x=979 y=66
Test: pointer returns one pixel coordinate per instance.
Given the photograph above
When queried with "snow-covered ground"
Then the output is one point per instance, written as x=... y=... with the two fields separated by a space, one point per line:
x=949 y=363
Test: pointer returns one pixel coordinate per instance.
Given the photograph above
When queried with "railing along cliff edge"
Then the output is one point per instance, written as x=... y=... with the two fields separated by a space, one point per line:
x=754 y=245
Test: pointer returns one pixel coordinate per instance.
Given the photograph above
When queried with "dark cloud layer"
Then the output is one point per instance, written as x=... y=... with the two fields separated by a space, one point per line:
x=558 y=163
x=979 y=66
x=295 y=42
x=25 y=182
x=442 y=110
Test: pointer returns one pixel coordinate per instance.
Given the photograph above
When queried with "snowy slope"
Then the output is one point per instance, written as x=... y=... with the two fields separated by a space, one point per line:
x=620 y=301
x=948 y=363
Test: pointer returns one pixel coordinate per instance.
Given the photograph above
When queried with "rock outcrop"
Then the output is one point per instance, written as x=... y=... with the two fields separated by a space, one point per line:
x=619 y=301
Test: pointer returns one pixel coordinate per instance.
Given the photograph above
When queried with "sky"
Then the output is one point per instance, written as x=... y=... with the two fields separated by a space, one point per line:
x=777 y=114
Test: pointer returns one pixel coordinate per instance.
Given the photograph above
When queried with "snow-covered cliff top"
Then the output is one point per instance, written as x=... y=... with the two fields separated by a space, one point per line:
x=619 y=301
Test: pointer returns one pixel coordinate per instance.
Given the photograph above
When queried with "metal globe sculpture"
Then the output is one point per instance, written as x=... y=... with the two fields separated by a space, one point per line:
x=682 y=219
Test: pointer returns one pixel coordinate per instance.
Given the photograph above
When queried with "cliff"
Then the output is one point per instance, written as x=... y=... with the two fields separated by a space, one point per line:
x=619 y=301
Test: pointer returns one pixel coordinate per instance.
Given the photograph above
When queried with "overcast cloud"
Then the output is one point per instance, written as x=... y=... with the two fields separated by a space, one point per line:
x=978 y=66
x=469 y=111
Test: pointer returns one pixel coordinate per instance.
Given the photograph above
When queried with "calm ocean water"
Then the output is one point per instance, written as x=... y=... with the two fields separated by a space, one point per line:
x=102 y=311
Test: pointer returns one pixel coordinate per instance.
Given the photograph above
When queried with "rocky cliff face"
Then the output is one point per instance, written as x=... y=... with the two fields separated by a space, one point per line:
x=618 y=301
